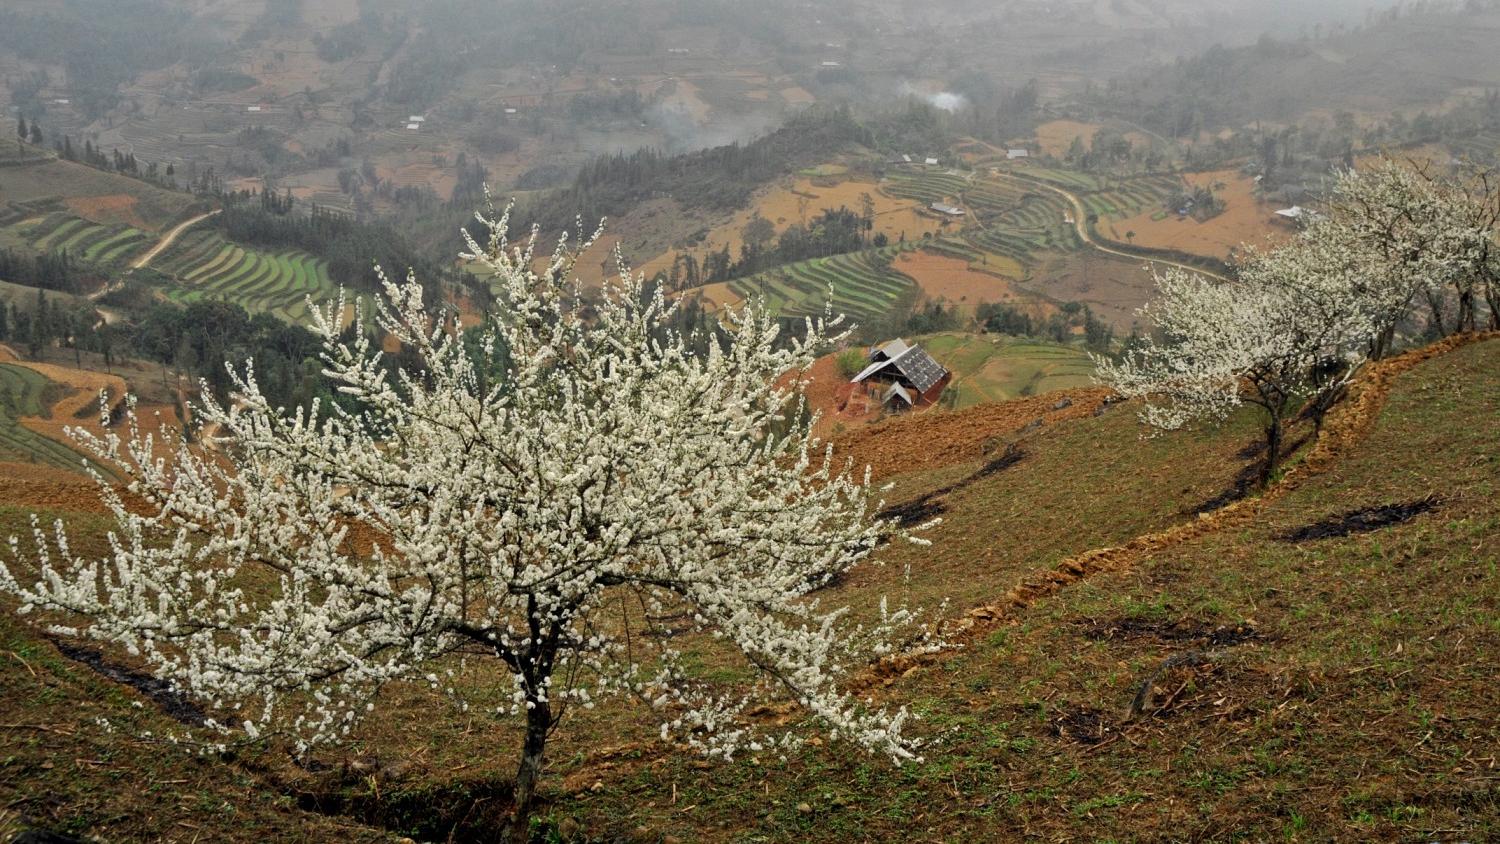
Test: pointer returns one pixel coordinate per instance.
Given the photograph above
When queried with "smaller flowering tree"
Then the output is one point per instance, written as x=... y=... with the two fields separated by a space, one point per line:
x=1266 y=339
x=540 y=520
x=1416 y=237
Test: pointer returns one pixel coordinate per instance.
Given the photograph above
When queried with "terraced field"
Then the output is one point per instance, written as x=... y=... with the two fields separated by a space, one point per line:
x=209 y=267
x=1130 y=197
x=863 y=285
x=23 y=392
x=924 y=185
x=89 y=241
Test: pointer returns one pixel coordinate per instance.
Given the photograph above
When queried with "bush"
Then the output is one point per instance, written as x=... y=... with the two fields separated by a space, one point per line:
x=850 y=362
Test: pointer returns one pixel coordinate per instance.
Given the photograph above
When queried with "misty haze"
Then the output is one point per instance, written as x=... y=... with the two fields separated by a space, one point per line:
x=796 y=421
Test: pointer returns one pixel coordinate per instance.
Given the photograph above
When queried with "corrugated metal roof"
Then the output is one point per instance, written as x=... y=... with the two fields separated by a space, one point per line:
x=920 y=369
x=896 y=390
x=869 y=370
x=890 y=351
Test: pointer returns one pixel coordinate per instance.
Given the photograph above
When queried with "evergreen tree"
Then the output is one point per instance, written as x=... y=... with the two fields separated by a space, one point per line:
x=36 y=133
x=21 y=128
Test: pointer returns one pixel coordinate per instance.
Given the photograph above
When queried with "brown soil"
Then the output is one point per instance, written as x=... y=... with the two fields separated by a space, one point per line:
x=953 y=279
x=934 y=438
x=1245 y=220
x=799 y=201
x=113 y=208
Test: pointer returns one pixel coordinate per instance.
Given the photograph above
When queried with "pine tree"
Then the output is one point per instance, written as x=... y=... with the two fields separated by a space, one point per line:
x=21 y=128
x=36 y=133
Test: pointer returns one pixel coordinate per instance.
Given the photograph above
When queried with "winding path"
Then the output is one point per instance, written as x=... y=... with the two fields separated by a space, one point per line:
x=1080 y=222
x=166 y=242
x=108 y=316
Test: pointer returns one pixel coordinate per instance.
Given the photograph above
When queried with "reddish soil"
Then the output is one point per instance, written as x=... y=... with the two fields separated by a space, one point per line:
x=953 y=279
x=1245 y=220
x=112 y=208
x=934 y=438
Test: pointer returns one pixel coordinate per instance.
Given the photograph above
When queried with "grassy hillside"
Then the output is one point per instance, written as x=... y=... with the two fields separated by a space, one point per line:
x=106 y=198
x=990 y=368
x=1297 y=688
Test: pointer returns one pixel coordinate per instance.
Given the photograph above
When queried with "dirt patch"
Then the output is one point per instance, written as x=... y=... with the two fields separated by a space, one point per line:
x=1056 y=136
x=932 y=439
x=797 y=95
x=1180 y=630
x=1245 y=220
x=953 y=279
x=797 y=202
x=171 y=701
x=112 y=208
x=1363 y=520
x=1084 y=725
x=463 y=812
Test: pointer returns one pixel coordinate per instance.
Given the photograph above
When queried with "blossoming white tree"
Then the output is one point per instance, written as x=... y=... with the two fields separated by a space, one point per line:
x=609 y=477
x=1417 y=236
x=1289 y=328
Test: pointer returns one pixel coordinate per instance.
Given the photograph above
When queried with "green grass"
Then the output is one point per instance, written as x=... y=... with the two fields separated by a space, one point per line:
x=861 y=286
x=1361 y=709
x=989 y=368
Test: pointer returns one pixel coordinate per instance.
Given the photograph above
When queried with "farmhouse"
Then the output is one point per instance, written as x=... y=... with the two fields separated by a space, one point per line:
x=931 y=162
x=950 y=210
x=1013 y=154
x=902 y=376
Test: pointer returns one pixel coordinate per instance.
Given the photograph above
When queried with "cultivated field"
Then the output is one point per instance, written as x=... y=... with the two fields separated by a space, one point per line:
x=991 y=368
x=209 y=267
x=1245 y=220
x=862 y=285
x=27 y=393
x=93 y=194
x=82 y=239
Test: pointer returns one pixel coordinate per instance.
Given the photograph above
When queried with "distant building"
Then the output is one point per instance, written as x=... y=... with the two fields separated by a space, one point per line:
x=832 y=64
x=416 y=118
x=931 y=162
x=906 y=158
x=252 y=108
x=414 y=126
x=950 y=210
x=903 y=376
x=1298 y=214
x=678 y=51
x=1013 y=154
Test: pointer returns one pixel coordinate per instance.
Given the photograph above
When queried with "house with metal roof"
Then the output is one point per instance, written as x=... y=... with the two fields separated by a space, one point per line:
x=902 y=375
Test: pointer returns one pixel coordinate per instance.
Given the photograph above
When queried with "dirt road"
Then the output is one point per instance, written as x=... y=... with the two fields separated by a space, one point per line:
x=166 y=242
x=1080 y=222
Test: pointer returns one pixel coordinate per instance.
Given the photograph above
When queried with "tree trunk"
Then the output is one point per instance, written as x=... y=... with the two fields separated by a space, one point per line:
x=1273 y=450
x=538 y=724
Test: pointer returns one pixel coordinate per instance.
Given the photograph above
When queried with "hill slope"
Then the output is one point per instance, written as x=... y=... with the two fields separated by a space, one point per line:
x=1298 y=687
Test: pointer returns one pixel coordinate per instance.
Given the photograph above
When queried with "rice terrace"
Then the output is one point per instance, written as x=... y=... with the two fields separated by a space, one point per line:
x=817 y=421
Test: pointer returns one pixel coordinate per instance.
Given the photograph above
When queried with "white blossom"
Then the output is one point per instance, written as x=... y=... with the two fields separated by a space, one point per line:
x=542 y=516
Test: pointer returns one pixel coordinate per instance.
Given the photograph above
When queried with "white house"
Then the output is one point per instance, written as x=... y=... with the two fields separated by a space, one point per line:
x=1013 y=154
x=416 y=118
x=950 y=210
x=931 y=162
x=414 y=126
